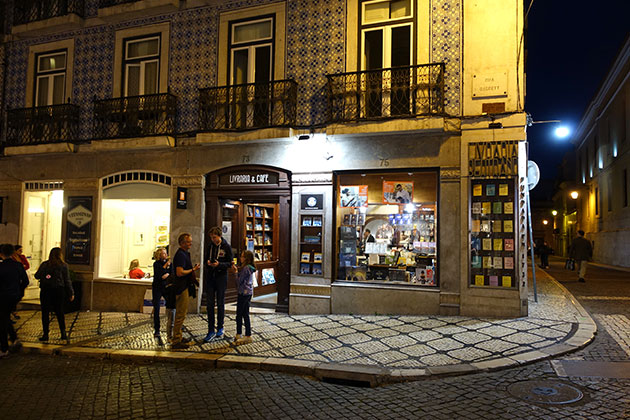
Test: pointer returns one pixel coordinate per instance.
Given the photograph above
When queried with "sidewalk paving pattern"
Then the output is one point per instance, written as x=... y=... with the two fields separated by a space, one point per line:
x=438 y=344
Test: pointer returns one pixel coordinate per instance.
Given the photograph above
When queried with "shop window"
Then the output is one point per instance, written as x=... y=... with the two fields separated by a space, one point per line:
x=141 y=66
x=387 y=227
x=41 y=230
x=135 y=222
x=50 y=79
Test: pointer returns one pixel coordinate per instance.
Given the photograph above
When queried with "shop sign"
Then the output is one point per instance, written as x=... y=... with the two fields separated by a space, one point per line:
x=312 y=201
x=493 y=159
x=182 y=198
x=248 y=178
x=79 y=230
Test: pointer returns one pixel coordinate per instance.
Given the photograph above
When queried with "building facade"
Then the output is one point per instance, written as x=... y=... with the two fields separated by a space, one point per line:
x=370 y=153
x=602 y=164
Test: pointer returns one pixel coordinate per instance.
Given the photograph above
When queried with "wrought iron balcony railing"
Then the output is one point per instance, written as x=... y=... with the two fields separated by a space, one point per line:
x=135 y=116
x=44 y=124
x=386 y=93
x=248 y=106
x=27 y=11
x=109 y=3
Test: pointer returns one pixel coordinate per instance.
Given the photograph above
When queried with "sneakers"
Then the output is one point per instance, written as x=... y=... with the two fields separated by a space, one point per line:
x=237 y=337
x=209 y=337
x=43 y=338
x=581 y=280
x=179 y=346
x=244 y=340
x=219 y=333
x=186 y=340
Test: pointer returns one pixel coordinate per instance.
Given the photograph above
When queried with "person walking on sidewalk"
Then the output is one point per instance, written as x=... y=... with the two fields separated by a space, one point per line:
x=581 y=251
x=18 y=255
x=184 y=276
x=544 y=252
x=13 y=281
x=218 y=261
x=55 y=285
x=162 y=276
x=245 y=284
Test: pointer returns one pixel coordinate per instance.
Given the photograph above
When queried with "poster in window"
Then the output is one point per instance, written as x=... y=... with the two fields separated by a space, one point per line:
x=79 y=230
x=397 y=192
x=353 y=196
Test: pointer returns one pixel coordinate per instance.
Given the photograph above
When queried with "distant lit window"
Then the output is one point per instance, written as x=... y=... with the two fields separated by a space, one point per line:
x=50 y=78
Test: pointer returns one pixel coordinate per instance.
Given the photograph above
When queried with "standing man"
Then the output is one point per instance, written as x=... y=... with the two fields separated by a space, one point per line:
x=581 y=251
x=13 y=281
x=184 y=277
x=218 y=260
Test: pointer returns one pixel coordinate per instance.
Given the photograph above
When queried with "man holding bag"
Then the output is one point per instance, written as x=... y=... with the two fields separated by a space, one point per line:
x=581 y=251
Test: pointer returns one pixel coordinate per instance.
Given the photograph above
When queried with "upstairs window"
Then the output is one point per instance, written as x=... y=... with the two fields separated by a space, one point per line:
x=50 y=78
x=141 y=66
x=251 y=49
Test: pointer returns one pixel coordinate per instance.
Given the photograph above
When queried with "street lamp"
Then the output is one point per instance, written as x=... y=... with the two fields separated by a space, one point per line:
x=574 y=195
x=554 y=212
x=545 y=222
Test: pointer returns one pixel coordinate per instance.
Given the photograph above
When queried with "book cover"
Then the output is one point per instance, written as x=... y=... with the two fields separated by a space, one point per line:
x=503 y=189
x=508 y=226
x=476 y=208
x=266 y=213
x=307 y=221
x=509 y=207
x=268 y=276
x=317 y=257
x=498 y=245
x=490 y=190
x=487 y=262
x=485 y=226
x=317 y=269
x=509 y=244
x=496 y=226
x=487 y=244
x=317 y=220
x=257 y=212
x=476 y=225
x=250 y=226
x=267 y=226
x=267 y=239
x=479 y=280
x=476 y=261
x=497 y=207
x=477 y=190
x=494 y=280
x=305 y=269
x=346 y=219
x=497 y=263
x=486 y=207
x=475 y=243
x=508 y=263
x=258 y=226
x=249 y=211
x=306 y=257
x=507 y=281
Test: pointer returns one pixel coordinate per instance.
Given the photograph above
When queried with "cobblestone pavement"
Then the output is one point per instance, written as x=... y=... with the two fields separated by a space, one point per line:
x=386 y=341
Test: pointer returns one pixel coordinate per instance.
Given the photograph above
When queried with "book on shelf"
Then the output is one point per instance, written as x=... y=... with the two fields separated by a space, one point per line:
x=266 y=213
x=250 y=245
x=249 y=226
x=306 y=257
x=269 y=256
x=267 y=239
x=249 y=211
x=346 y=219
x=317 y=220
x=317 y=269
x=258 y=256
x=257 y=212
x=259 y=226
x=267 y=226
x=307 y=221
x=305 y=269
x=317 y=257
x=311 y=239
x=259 y=240
x=264 y=255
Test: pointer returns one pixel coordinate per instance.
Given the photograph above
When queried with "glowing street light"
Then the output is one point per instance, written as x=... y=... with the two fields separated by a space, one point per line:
x=574 y=195
x=562 y=132
x=545 y=222
x=554 y=212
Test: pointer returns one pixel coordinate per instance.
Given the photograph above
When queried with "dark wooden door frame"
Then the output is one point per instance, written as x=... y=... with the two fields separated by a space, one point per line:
x=279 y=192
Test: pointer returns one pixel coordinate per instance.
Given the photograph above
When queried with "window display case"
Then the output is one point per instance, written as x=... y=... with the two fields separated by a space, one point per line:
x=310 y=245
x=261 y=239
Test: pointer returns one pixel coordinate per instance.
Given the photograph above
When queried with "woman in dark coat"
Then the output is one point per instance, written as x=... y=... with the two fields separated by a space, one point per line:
x=55 y=284
x=163 y=277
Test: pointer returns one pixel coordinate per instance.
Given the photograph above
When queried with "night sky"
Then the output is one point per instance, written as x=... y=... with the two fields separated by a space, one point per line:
x=571 y=46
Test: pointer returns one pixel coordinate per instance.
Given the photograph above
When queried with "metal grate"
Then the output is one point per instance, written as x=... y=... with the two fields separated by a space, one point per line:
x=109 y=3
x=44 y=124
x=26 y=11
x=386 y=93
x=136 y=176
x=248 y=106
x=135 y=116
x=43 y=186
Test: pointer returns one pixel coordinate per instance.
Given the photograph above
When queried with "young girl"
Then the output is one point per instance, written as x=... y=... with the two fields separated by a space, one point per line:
x=245 y=291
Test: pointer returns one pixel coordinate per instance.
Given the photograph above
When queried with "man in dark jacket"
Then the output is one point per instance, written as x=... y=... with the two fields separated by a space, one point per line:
x=218 y=259
x=184 y=277
x=13 y=281
x=581 y=251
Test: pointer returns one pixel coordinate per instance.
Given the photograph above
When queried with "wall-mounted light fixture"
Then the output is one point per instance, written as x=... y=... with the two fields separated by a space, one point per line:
x=574 y=195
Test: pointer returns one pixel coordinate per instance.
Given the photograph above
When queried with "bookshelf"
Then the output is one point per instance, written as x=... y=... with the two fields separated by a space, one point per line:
x=260 y=238
x=311 y=249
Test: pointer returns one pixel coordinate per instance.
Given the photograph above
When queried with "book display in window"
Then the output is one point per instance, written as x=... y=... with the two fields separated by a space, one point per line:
x=260 y=239
x=492 y=236
x=311 y=244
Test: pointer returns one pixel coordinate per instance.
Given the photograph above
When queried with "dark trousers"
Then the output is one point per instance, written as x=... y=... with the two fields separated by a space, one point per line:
x=215 y=292
x=6 y=326
x=158 y=292
x=544 y=260
x=242 y=314
x=52 y=299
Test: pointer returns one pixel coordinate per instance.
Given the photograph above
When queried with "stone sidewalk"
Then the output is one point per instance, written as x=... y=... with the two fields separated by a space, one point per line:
x=365 y=349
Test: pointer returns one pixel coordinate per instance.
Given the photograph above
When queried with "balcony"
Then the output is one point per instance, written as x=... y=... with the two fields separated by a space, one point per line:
x=248 y=106
x=135 y=116
x=39 y=17
x=398 y=92
x=110 y=3
x=43 y=125
x=119 y=10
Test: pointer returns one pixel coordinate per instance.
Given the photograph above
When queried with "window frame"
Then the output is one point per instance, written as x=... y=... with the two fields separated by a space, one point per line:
x=250 y=46
x=141 y=61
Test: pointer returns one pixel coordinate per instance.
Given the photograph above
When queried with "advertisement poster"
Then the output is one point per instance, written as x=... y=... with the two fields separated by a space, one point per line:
x=79 y=230
x=353 y=196
x=395 y=192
